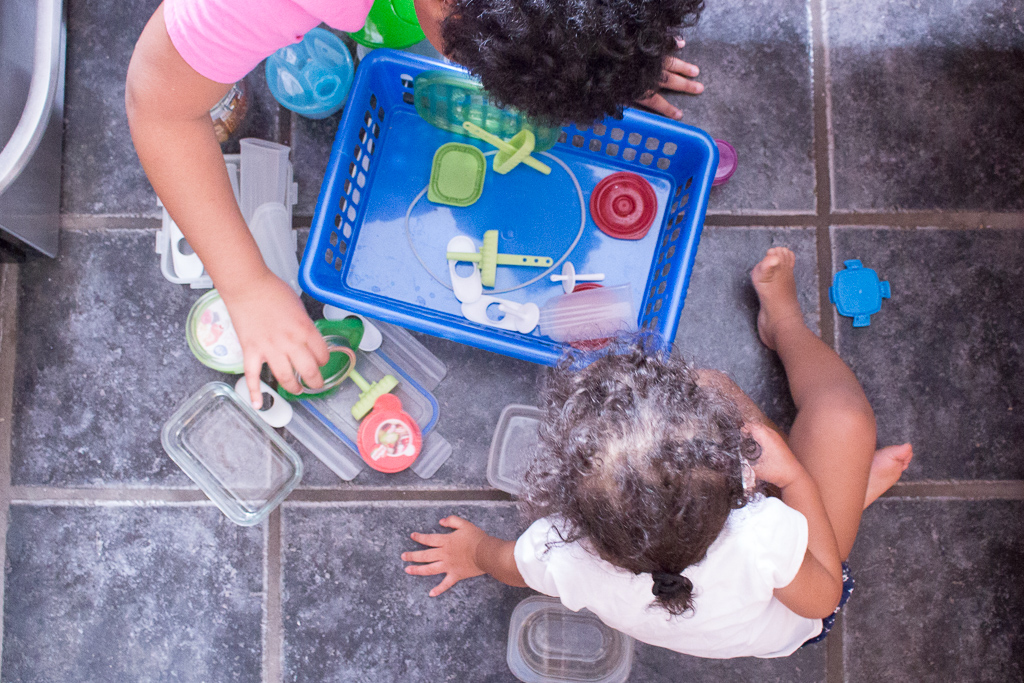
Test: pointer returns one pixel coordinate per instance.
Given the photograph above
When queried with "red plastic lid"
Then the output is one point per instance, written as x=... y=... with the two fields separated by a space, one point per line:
x=624 y=205
x=389 y=439
x=588 y=344
x=727 y=162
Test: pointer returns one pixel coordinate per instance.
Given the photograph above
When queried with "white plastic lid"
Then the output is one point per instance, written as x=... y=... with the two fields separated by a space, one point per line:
x=549 y=643
x=513 y=446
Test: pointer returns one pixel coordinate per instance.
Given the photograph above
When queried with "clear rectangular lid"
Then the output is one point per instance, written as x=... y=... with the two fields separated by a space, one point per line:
x=240 y=462
x=513 y=447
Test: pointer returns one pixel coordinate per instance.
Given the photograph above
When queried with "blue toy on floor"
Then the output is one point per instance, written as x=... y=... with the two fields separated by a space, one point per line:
x=858 y=293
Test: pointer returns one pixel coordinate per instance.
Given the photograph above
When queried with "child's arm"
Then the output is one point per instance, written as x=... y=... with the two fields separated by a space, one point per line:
x=677 y=75
x=168 y=107
x=818 y=585
x=466 y=552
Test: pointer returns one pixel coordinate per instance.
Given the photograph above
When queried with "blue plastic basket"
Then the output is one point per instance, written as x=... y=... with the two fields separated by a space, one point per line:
x=360 y=256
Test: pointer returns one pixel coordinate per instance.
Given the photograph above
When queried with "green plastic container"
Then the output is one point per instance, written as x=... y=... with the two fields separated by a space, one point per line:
x=448 y=100
x=391 y=23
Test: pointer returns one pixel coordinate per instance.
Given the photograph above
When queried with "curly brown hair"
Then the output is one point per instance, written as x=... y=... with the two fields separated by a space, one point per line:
x=639 y=462
x=566 y=60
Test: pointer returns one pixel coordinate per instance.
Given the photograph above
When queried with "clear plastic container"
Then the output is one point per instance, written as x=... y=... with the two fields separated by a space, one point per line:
x=229 y=113
x=265 y=175
x=513 y=446
x=590 y=314
x=548 y=643
x=224 y=446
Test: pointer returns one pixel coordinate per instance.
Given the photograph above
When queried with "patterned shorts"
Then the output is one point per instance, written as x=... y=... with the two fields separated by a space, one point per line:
x=830 y=620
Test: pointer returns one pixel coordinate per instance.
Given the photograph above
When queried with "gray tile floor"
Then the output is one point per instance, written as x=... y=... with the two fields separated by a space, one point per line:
x=869 y=129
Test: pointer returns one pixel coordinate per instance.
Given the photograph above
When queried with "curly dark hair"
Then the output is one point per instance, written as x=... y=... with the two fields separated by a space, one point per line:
x=641 y=462
x=566 y=60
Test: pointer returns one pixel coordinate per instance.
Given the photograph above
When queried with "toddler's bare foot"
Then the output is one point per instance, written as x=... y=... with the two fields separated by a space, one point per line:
x=776 y=290
x=887 y=466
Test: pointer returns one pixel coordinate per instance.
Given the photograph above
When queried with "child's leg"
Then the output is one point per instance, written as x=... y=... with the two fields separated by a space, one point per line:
x=833 y=435
x=887 y=464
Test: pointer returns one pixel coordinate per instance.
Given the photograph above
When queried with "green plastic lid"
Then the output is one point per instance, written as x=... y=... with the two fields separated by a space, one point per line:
x=212 y=337
x=390 y=23
x=447 y=100
x=457 y=176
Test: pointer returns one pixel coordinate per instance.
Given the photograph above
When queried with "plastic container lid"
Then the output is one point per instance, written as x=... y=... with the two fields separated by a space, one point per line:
x=211 y=336
x=727 y=162
x=242 y=464
x=548 y=643
x=311 y=77
x=624 y=206
x=389 y=440
x=513 y=446
x=457 y=176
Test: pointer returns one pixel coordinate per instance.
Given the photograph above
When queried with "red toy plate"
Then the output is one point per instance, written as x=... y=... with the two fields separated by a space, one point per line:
x=624 y=205
x=389 y=439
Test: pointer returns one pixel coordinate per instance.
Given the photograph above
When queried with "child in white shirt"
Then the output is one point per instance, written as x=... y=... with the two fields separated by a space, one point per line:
x=648 y=495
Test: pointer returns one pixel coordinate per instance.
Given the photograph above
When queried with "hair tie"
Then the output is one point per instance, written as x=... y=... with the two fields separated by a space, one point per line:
x=669 y=585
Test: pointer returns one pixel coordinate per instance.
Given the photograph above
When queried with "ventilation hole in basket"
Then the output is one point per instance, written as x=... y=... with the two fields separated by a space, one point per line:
x=647 y=311
x=351 y=213
x=356 y=195
x=678 y=190
x=357 y=152
x=663 y=163
x=675 y=234
x=361 y=180
x=337 y=221
x=664 y=240
x=674 y=207
x=669 y=149
x=629 y=154
x=406 y=80
x=600 y=129
x=366 y=163
x=373 y=101
x=367 y=118
x=595 y=145
x=407 y=98
x=652 y=143
x=343 y=204
x=679 y=219
x=682 y=202
x=612 y=149
x=352 y=169
x=635 y=138
x=666 y=269
x=329 y=256
x=672 y=251
x=581 y=128
x=380 y=113
x=563 y=136
x=652 y=323
x=333 y=239
x=617 y=134
x=347 y=231
x=362 y=135
x=577 y=140
x=689 y=181
x=370 y=145
x=338 y=264
x=661 y=257
x=376 y=130
x=342 y=248
x=661 y=288
x=348 y=185
x=657 y=306
x=646 y=158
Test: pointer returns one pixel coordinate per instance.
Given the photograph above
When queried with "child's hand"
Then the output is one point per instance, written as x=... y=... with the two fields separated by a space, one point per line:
x=273 y=327
x=677 y=75
x=452 y=554
x=777 y=464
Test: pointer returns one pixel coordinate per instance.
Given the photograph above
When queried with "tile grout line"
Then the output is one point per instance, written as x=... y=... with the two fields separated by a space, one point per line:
x=834 y=653
x=273 y=627
x=8 y=348
x=39 y=495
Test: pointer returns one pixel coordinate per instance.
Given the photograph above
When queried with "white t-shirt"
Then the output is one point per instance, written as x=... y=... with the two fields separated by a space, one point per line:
x=735 y=612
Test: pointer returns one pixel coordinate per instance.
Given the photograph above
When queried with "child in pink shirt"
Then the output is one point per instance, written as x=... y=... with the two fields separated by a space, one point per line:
x=560 y=61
